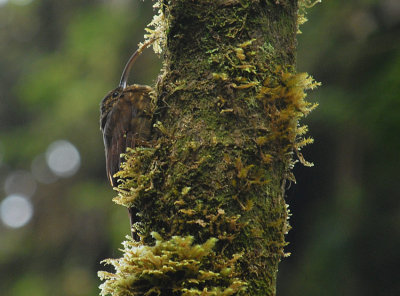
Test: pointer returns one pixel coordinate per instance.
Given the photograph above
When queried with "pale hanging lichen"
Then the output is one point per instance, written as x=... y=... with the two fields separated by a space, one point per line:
x=301 y=15
x=156 y=29
x=171 y=267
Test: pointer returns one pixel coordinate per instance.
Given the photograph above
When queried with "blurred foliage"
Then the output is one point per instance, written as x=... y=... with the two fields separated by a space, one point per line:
x=59 y=58
x=346 y=218
x=57 y=61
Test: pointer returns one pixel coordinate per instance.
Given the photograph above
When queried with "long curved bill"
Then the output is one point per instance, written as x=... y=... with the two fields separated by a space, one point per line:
x=129 y=64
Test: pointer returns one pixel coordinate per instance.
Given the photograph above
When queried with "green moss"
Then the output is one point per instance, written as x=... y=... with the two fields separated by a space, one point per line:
x=283 y=99
x=172 y=267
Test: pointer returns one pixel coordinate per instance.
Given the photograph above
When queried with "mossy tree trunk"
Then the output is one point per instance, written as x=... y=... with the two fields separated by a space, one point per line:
x=228 y=109
x=218 y=53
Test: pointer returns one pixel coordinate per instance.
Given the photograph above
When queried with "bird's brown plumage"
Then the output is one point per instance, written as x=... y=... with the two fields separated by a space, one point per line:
x=125 y=121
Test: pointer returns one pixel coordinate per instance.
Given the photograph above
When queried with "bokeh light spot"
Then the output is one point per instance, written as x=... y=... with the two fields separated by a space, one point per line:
x=16 y=211
x=63 y=158
x=41 y=170
x=20 y=182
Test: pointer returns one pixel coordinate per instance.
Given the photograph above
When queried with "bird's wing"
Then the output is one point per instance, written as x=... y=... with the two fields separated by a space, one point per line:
x=128 y=124
x=117 y=125
x=140 y=122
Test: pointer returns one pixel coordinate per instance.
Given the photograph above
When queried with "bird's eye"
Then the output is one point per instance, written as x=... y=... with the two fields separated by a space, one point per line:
x=115 y=94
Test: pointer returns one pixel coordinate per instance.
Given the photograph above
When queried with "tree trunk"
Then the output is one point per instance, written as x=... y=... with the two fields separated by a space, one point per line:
x=228 y=104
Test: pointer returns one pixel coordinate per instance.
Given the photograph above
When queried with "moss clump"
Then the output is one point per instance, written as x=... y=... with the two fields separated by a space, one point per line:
x=283 y=99
x=136 y=176
x=172 y=267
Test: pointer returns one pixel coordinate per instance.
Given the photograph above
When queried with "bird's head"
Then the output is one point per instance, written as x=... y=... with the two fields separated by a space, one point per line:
x=109 y=100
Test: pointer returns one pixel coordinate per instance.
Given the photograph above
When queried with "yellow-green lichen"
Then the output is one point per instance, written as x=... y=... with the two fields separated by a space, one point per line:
x=171 y=267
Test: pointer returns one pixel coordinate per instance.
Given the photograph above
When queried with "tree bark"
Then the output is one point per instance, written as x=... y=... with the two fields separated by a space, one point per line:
x=227 y=110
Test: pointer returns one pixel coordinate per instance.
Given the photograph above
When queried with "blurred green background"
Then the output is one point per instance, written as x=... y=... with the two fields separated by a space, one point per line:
x=59 y=58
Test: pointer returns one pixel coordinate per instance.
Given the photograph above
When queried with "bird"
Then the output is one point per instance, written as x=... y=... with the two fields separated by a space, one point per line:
x=125 y=122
